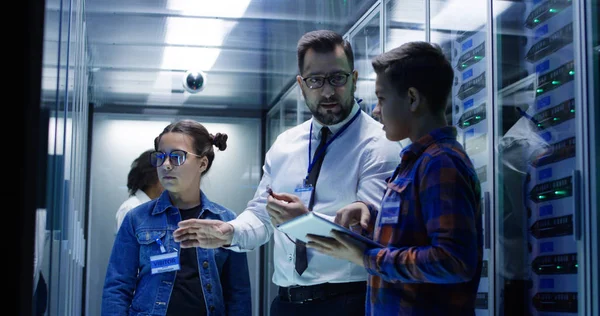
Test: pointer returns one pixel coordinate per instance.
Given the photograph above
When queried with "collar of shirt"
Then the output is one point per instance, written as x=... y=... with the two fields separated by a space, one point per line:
x=164 y=202
x=417 y=148
x=142 y=196
x=317 y=126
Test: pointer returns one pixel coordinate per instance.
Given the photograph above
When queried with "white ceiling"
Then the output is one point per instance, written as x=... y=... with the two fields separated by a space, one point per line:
x=140 y=49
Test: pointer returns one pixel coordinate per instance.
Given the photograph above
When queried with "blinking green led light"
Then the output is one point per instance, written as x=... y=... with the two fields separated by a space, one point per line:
x=576 y=265
x=558 y=267
x=477 y=117
x=553 y=10
x=555 y=119
x=539 y=90
x=478 y=57
x=541 y=197
x=572 y=111
x=555 y=82
x=560 y=192
x=539 y=125
x=536 y=21
x=464 y=65
x=572 y=72
x=466 y=124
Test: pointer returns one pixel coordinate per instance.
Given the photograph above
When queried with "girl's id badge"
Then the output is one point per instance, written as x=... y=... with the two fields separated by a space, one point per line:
x=165 y=262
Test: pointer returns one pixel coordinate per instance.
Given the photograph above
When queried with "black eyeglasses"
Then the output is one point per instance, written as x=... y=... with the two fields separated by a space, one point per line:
x=335 y=80
x=176 y=157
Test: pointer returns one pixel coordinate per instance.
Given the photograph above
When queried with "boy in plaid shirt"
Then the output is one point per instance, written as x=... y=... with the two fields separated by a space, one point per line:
x=429 y=221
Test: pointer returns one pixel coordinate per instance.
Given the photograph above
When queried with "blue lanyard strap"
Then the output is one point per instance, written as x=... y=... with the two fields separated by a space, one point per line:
x=322 y=151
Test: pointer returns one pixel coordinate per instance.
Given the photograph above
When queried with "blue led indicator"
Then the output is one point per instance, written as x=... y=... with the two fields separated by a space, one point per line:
x=468 y=44
x=467 y=74
x=469 y=103
x=545 y=173
x=543 y=102
x=546 y=210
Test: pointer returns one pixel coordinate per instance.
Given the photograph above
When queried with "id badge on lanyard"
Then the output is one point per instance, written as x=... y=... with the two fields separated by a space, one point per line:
x=165 y=262
x=304 y=191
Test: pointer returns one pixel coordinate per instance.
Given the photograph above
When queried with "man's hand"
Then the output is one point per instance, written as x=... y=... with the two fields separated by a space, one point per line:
x=353 y=215
x=341 y=246
x=283 y=207
x=205 y=233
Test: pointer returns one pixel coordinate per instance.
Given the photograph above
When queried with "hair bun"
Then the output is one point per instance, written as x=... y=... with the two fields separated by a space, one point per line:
x=220 y=141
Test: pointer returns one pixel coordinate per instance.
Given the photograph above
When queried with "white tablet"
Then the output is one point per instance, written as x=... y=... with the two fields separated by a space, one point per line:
x=313 y=223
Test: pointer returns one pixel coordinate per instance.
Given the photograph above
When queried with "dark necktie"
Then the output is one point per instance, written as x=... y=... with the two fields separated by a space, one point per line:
x=301 y=259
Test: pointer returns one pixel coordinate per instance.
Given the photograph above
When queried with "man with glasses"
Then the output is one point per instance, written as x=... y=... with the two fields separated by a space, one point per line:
x=342 y=147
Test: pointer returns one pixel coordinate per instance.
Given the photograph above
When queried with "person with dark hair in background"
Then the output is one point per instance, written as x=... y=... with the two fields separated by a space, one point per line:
x=339 y=156
x=429 y=221
x=142 y=184
x=148 y=272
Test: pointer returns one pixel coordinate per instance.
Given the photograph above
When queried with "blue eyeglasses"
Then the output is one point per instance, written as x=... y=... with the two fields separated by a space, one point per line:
x=176 y=157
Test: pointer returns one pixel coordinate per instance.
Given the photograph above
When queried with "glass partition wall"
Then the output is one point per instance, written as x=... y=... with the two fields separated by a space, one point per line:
x=537 y=112
x=465 y=43
x=60 y=242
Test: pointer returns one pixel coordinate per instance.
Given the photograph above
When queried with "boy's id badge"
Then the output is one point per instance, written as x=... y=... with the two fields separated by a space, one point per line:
x=304 y=192
x=390 y=208
x=164 y=262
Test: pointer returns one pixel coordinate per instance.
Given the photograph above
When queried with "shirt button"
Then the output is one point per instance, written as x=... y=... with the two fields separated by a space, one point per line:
x=209 y=287
x=290 y=257
x=205 y=264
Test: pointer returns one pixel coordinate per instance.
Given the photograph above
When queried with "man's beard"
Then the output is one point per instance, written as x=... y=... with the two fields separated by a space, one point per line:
x=331 y=118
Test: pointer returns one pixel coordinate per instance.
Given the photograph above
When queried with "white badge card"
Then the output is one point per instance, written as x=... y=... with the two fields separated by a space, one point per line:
x=390 y=208
x=304 y=192
x=164 y=262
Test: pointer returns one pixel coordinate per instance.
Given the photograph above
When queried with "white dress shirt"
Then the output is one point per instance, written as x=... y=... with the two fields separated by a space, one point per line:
x=355 y=167
x=138 y=198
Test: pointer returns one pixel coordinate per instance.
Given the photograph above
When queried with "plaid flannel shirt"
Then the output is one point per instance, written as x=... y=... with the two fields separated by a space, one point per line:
x=430 y=223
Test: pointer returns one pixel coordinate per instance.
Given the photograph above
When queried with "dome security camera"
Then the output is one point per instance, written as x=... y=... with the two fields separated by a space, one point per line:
x=194 y=81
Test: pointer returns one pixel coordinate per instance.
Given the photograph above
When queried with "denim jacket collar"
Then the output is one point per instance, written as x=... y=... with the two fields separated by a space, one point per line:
x=163 y=203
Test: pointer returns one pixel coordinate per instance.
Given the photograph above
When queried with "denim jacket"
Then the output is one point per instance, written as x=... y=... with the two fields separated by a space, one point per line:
x=131 y=289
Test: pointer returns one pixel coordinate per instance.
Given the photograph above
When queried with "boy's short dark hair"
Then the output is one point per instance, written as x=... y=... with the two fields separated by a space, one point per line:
x=420 y=65
x=323 y=41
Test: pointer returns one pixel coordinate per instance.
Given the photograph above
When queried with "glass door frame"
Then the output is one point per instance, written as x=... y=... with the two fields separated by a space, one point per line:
x=586 y=206
x=592 y=27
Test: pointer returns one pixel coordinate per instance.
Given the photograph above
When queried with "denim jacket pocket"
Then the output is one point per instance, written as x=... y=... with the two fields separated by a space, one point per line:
x=146 y=237
x=148 y=245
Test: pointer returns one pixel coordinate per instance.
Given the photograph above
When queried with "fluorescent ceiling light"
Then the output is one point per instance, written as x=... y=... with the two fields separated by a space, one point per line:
x=189 y=58
x=210 y=8
x=197 y=31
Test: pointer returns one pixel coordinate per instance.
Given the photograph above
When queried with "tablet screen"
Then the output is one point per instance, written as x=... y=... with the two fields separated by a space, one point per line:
x=313 y=223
